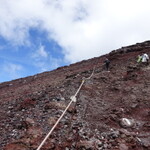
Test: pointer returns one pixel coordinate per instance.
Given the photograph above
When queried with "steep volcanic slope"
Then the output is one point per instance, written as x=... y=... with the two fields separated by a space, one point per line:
x=112 y=109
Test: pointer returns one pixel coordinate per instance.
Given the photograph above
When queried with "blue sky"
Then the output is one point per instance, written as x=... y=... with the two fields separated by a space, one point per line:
x=41 y=35
x=40 y=55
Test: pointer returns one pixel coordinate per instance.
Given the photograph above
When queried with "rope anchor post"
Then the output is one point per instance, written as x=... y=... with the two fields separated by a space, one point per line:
x=73 y=98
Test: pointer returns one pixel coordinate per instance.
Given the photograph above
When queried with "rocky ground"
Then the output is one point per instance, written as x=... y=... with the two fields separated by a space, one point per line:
x=112 y=109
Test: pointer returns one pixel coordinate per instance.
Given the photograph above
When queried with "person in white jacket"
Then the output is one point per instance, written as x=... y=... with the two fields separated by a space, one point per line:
x=145 y=58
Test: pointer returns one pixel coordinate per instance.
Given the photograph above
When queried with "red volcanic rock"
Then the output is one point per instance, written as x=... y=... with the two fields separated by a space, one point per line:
x=16 y=146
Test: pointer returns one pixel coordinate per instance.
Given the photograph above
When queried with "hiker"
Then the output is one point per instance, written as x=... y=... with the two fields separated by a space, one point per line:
x=107 y=62
x=145 y=58
x=139 y=59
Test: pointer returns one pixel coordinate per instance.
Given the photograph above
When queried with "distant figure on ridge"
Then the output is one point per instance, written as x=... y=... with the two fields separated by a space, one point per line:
x=107 y=63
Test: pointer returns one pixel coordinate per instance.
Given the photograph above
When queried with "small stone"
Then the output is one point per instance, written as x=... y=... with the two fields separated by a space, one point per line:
x=123 y=147
x=52 y=120
x=145 y=142
x=85 y=144
x=134 y=105
x=114 y=134
x=99 y=143
x=30 y=121
x=123 y=136
x=127 y=123
x=105 y=145
x=35 y=132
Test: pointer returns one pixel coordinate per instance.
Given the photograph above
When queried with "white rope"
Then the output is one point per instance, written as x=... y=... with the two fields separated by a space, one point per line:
x=73 y=99
x=91 y=74
x=54 y=126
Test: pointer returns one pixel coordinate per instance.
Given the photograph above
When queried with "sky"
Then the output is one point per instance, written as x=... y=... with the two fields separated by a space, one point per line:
x=42 y=35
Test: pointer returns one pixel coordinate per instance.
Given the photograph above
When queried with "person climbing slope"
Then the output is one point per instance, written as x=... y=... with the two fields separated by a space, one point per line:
x=107 y=63
x=139 y=59
x=145 y=59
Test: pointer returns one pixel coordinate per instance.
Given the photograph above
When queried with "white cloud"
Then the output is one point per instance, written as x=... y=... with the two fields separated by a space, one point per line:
x=43 y=60
x=39 y=58
x=40 y=53
x=12 y=70
x=83 y=28
x=44 y=65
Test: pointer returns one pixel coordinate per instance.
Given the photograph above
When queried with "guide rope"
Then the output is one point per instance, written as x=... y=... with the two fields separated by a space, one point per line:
x=73 y=99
